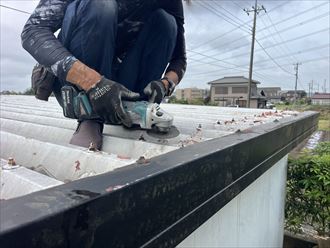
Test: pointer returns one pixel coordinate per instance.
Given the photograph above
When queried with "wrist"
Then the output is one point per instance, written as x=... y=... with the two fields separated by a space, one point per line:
x=83 y=76
x=165 y=83
x=169 y=85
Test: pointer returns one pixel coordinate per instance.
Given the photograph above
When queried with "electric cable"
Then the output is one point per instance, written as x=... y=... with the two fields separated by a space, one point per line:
x=298 y=14
x=18 y=10
x=274 y=45
x=240 y=22
x=272 y=37
x=281 y=21
x=209 y=8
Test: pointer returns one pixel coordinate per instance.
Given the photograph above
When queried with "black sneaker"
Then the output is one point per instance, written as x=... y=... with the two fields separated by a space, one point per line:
x=88 y=134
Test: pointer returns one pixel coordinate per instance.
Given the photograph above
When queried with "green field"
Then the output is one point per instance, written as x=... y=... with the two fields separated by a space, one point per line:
x=324 y=110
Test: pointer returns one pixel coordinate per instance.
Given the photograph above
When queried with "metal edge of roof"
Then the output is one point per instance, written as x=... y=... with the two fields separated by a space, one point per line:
x=161 y=202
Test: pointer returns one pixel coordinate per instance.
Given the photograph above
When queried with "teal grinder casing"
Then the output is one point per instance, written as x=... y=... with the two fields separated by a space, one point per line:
x=148 y=115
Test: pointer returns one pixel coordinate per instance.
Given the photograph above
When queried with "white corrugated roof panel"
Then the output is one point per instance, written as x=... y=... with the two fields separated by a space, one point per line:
x=36 y=135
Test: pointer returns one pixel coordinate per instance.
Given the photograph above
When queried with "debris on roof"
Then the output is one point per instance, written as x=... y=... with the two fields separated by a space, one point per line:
x=36 y=135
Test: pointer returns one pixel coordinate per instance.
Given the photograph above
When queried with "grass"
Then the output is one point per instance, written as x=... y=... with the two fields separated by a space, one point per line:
x=324 y=125
x=324 y=110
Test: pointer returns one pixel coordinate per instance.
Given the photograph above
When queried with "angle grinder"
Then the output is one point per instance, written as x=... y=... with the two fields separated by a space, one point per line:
x=149 y=116
x=145 y=115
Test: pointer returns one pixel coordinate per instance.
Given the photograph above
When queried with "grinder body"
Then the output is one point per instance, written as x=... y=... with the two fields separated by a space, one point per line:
x=148 y=115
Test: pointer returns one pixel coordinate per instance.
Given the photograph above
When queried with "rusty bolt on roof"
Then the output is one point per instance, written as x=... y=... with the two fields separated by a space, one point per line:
x=92 y=147
x=11 y=161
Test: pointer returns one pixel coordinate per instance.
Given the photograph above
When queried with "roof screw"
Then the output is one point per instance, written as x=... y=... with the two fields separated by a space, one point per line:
x=92 y=147
x=11 y=161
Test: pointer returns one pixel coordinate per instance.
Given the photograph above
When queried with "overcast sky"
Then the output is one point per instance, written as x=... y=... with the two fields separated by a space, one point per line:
x=218 y=37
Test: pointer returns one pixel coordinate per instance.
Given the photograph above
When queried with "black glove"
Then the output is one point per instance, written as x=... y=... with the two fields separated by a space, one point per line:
x=155 y=91
x=106 y=99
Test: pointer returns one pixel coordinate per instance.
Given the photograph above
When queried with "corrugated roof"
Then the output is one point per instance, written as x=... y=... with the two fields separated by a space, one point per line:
x=36 y=135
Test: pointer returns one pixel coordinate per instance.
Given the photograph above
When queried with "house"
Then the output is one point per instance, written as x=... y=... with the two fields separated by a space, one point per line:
x=288 y=95
x=321 y=98
x=272 y=94
x=234 y=91
x=190 y=94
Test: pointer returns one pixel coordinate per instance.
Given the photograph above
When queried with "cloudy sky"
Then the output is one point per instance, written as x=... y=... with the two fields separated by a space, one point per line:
x=218 y=35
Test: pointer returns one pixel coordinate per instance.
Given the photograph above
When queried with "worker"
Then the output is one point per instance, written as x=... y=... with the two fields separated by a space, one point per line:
x=113 y=50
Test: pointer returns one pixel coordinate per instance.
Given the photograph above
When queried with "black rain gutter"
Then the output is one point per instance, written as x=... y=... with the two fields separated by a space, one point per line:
x=157 y=204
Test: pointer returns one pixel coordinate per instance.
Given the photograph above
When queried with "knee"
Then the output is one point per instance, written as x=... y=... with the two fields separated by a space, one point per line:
x=164 y=22
x=102 y=12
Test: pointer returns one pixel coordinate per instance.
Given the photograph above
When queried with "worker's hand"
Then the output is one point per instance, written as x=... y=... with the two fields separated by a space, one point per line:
x=155 y=91
x=106 y=99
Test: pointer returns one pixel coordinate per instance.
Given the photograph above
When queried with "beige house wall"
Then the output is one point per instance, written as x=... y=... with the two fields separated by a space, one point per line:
x=189 y=94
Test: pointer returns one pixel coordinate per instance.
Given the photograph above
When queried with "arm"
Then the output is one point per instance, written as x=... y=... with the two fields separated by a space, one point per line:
x=158 y=89
x=39 y=40
x=177 y=66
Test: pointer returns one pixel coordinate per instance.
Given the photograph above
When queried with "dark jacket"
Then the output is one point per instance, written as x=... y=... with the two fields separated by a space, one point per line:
x=39 y=40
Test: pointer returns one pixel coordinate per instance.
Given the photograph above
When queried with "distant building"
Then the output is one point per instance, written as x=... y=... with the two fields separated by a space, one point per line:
x=321 y=99
x=190 y=94
x=288 y=95
x=272 y=94
x=229 y=91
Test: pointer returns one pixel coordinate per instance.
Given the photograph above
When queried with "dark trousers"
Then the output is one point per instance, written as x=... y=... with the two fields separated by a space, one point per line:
x=89 y=32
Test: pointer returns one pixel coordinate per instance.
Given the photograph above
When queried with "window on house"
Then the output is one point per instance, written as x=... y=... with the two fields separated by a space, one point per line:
x=239 y=89
x=221 y=90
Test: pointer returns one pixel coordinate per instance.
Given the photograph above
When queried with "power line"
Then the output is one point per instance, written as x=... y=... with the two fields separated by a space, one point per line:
x=304 y=62
x=296 y=25
x=274 y=45
x=219 y=36
x=260 y=61
x=296 y=53
x=217 y=65
x=265 y=37
x=298 y=14
x=11 y=8
x=279 y=35
x=273 y=24
x=205 y=5
x=272 y=58
x=280 y=49
x=233 y=2
x=259 y=69
x=226 y=62
x=278 y=31
x=240 y=22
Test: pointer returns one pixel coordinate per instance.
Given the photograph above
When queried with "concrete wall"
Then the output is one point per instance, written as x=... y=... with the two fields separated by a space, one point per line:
x=255 y=218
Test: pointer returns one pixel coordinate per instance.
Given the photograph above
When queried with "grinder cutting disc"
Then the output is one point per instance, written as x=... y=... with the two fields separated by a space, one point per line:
x=172 y=132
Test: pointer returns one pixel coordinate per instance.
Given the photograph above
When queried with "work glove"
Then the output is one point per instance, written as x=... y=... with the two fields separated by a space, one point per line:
x=106 y=99
x=155 y=91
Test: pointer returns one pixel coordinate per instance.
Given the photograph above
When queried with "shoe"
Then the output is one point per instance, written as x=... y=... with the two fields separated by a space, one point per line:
x=88 y=134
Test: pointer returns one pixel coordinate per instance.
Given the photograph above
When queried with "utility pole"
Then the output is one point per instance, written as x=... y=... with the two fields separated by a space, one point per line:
x=296 y=67
x=312 y=87
x=325 y=86
x=255 y=9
